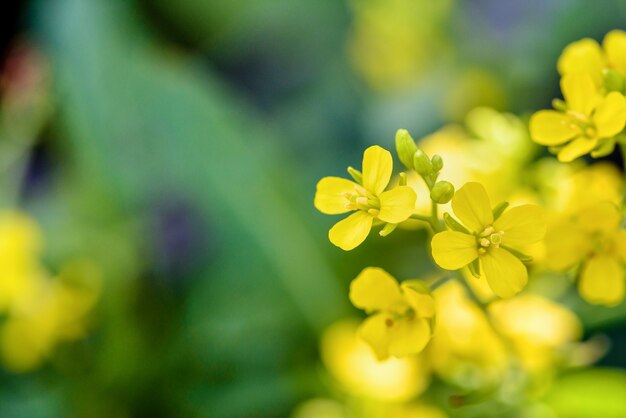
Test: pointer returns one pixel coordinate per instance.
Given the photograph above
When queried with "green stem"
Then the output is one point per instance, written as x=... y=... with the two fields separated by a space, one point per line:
x=622 y=147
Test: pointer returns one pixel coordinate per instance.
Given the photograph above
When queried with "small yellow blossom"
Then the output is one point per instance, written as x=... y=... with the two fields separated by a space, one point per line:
x=537 y=328
x=465 y=349
x=402 y=315
x=20 y=268
x=588 y=57
x=356 y=368
x=594 y=238
x=489 y=240
x=368 y=200
x=588 y=123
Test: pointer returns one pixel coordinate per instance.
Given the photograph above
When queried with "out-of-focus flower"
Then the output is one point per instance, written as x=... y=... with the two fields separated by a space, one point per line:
x=538 y=328
x=393 y=43
x=20 y=270
x=588 y=57
x=587 y=122
x=465 y=349
x=594 y=238
x=402 y=315
x=494 y=241
x=57 y=314
x=366 y=198
x=355 y=366
x=492 y=149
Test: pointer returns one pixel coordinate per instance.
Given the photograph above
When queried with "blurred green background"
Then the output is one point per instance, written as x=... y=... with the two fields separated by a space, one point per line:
x=178 y=144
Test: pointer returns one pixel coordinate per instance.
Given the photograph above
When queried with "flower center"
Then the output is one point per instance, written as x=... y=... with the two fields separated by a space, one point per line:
x=361 y=199
x=489 y=238
x=583 y=124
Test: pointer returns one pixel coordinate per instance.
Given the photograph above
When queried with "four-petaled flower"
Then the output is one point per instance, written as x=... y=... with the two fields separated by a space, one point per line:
x=489 y=240
x=368 y=200
x=594 y=238
x=587 y=120
x=402 y=314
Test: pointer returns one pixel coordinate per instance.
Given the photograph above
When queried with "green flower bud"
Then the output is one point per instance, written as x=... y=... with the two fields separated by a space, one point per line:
x=613 y=81
x=405 y=147
x=437 y=162
x=442 y=192
x=356 y=175
x=422 y=163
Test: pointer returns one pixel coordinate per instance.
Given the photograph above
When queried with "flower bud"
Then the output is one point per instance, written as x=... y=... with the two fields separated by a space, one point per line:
x=405 y=147
x=442 y=192
x=437 y=162
x=422 y=163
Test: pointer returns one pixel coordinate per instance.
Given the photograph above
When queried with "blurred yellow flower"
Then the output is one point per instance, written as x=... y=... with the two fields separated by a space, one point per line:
x=588 y=57
x=594 y=238
x=402 y=315
x=491 y=241
x=354 y=365
x=57 y=314
x=538 y=329
x=586 y=125
x=20 y=269
x=465 y=349
x=368 y=200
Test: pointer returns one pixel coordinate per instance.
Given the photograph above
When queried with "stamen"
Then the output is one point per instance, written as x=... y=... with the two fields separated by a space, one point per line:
x=484 y=242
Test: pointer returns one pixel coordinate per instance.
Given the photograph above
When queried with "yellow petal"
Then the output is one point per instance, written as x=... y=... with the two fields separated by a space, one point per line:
x=619 y=240
x=549 y=127
x=396 y=205
x=375 y=332
x=577 y=148
x=453 y=250
x=610 y=116
x=504 y=272
x=352 y=231
x=601 y=217
x=566 y=245
x=584 y=56
x=377 y=168
x=408 y=337
x=615 y=46
x=374 y=289
x=329 y=197
x=419 y=298
x=471 y=205
x=521 y=225
x=602 y=281
x=580 y=93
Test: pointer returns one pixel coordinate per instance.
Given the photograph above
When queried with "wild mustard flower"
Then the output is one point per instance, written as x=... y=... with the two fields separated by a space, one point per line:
x=20 y=268
x=588 y=57
x=587 y=122
x=594 y=238
x=367 y=198
x=491 y=240
x=358 y=371
x=401 y=317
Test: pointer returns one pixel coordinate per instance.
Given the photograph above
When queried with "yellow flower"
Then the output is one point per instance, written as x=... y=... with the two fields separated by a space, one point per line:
x=402 y=315
x=538 y=329
x=355 y=366
x=368 y=200
x=57 y=313
x=489 y=240
x=594 y=238
x=588 y=57
x=20 y=268
x=586 y=125
x=465 y=349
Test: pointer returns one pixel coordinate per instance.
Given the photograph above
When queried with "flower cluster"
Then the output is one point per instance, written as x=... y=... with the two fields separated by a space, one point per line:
x=474 y=322
x=593 y=112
